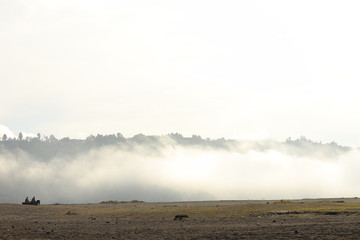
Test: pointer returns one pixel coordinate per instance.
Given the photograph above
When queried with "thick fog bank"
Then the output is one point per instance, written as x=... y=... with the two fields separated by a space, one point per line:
x=174 y=168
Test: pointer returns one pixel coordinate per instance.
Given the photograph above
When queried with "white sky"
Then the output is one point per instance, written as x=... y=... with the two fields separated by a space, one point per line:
x=233 y=69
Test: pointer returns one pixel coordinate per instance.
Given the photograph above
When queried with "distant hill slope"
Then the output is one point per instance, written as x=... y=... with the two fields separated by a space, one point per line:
x=46 y=148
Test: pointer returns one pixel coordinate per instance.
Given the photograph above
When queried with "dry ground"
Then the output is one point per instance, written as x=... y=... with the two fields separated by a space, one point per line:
x=301 y=219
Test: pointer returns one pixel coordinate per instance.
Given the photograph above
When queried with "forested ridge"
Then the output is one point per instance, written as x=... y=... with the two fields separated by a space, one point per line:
x=45 y=148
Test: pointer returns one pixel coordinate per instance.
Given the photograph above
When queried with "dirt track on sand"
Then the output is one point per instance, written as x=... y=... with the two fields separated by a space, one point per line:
x=303 y=219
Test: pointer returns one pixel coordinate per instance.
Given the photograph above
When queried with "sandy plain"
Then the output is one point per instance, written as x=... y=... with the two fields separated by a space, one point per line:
x=283 y=219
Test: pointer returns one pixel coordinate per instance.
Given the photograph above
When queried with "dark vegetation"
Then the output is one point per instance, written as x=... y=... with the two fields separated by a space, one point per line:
x=44 y=148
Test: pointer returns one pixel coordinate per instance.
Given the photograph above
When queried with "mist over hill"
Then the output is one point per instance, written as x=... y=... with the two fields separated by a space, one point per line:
x=46 y=148
x=172 y=168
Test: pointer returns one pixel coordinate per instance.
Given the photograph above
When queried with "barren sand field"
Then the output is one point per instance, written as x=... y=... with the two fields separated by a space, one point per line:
x=300 y=219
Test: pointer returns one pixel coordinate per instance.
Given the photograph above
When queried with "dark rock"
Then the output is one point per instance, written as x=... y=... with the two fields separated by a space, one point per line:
x=181 y=217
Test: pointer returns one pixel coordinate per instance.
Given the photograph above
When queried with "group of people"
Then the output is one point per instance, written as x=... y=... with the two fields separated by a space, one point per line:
x=33 y=201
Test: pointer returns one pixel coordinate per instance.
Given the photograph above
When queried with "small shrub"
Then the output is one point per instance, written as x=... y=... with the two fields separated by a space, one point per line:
x=181 y=217
x=109 y=202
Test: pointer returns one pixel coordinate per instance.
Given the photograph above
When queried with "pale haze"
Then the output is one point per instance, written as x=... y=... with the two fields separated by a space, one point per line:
x=247 y=70
x=233 y=69
x=174 y=168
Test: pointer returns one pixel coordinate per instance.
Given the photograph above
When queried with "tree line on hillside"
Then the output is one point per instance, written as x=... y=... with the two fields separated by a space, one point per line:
x=45 y=148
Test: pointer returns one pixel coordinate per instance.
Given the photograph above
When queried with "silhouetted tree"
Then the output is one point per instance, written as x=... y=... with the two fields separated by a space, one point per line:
x=20 y=136
x=4 y=138
x=65 y=139
x=119 y=136
x=52 y=139
x=90 y=138
x=139 y=138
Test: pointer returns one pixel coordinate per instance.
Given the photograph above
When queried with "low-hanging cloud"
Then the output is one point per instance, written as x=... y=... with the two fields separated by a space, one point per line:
x=164 y=169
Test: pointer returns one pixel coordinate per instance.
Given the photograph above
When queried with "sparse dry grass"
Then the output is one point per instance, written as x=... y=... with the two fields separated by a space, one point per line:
x=117 y=202
x=207 y=220
x=222 y=209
